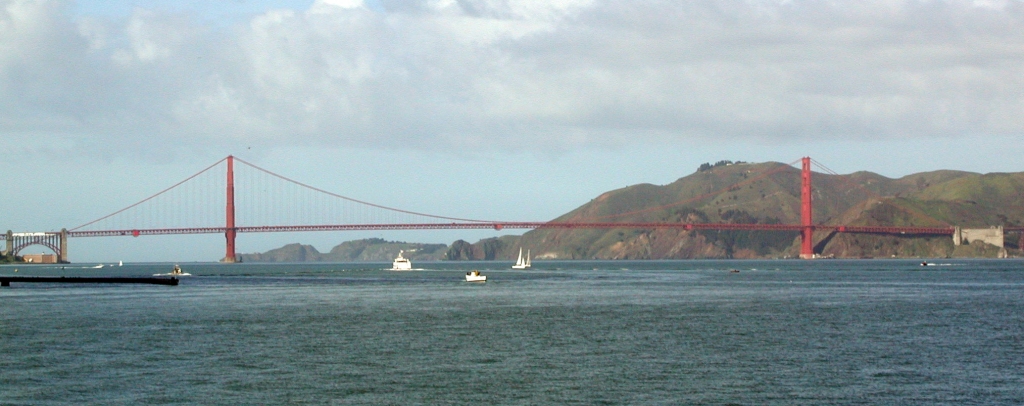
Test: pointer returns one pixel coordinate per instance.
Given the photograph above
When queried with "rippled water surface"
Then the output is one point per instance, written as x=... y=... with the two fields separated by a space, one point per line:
x=672 y=332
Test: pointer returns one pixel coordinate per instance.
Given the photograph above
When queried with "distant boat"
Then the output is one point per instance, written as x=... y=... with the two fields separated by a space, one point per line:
x=401 y=263
x=98 y=266
x=475 y=276
x=174 y=272
x=522 y=263
x=120 y=263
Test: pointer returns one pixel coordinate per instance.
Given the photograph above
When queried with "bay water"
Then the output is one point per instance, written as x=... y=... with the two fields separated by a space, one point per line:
x=563 y=332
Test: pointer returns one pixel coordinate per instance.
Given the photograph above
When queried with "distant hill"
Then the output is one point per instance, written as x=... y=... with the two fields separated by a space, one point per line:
x=488 y=249
x=728 y=192
x=366 y=250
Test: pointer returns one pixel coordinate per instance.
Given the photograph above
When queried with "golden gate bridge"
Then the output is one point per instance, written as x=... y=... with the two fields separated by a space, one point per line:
x=207 y=203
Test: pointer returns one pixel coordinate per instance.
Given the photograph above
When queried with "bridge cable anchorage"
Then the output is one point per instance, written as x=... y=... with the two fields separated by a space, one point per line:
x=910 y=210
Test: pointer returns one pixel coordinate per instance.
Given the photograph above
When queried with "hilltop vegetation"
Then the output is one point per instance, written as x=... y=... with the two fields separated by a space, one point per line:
x=738 y=192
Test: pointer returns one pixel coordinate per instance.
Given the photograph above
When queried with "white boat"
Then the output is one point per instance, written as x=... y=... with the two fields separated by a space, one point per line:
x=475 y=276
x=401 y=263
x=521 y=263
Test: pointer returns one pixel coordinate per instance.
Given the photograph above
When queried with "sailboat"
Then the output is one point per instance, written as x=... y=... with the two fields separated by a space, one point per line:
x=521 y=263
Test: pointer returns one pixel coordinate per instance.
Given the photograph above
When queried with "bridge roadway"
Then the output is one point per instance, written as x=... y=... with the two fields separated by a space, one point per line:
x=527 y=225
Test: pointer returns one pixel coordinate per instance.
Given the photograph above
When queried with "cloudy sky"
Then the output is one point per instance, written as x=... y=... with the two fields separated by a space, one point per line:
x=494 y=109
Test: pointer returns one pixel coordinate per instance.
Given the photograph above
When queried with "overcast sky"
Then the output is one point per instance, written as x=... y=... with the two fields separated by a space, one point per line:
x=501 y=109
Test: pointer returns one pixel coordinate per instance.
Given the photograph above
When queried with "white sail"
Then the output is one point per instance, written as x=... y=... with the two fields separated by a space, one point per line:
x=520 y=263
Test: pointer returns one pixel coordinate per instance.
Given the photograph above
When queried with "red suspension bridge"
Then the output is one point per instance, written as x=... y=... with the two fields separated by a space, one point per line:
x=193 y=206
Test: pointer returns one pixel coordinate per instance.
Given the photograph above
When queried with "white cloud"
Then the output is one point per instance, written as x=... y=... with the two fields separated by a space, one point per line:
x=340 y=3
x=495 y=74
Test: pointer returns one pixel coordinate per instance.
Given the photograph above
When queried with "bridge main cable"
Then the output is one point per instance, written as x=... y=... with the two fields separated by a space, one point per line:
x=287 y=179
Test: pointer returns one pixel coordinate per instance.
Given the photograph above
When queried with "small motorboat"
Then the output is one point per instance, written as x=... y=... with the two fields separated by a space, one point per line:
x=174 y=272
x=475 y=276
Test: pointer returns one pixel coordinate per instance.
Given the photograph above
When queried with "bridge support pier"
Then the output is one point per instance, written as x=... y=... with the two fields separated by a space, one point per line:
x=10 y=243
x=62 y=256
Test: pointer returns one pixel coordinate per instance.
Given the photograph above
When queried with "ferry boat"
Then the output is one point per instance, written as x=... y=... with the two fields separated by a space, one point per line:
x=475 y=276
x=401 y=263
x=521 y=263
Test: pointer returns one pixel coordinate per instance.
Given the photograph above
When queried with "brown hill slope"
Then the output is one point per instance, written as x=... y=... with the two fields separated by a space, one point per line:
x=770 y=193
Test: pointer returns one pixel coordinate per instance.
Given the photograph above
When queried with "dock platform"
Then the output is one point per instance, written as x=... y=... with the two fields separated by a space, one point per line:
x=6 y=280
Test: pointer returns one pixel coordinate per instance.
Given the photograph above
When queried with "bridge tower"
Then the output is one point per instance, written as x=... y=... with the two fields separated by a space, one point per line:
x=229 y=227
x=806 y=222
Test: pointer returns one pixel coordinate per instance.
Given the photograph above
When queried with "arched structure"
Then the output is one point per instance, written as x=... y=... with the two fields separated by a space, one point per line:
x=55 y=241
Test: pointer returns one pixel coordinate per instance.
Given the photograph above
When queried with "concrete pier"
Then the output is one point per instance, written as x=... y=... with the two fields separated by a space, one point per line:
x=6 y=280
